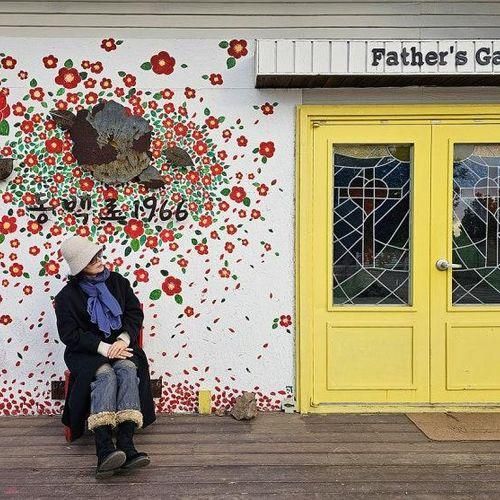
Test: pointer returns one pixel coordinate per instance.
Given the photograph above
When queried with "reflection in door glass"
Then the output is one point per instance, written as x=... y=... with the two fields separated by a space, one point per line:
x=371 y=224
x=476 y=188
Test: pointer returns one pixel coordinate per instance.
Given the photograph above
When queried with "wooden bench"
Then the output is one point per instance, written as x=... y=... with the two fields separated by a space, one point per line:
x=67 y=378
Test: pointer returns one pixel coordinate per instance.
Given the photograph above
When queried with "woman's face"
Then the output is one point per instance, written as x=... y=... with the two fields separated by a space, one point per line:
x=95 y=266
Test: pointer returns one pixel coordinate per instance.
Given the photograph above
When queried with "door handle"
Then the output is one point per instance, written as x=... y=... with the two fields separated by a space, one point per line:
x=444 y=265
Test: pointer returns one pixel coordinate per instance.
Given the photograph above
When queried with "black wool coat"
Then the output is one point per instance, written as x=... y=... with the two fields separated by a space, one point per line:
x=82 y=337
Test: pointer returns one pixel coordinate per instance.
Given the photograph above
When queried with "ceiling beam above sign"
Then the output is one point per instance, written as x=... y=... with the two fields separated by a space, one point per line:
x=376 y=63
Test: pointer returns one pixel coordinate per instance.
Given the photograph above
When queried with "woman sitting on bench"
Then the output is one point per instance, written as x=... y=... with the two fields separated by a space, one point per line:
x=99 y=319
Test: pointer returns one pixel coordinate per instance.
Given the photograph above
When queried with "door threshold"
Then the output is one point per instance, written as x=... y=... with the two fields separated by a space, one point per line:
x=402 y=407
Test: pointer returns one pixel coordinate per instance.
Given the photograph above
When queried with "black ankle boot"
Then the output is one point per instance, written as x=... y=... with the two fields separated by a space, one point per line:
x=124 y=442
x=108 y=457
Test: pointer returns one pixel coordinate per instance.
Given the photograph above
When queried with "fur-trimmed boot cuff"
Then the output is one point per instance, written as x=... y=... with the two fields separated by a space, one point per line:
x=102 y=418
x=132 y=415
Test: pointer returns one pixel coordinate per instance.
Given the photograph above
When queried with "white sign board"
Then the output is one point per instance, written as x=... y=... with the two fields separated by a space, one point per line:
x=361 y=57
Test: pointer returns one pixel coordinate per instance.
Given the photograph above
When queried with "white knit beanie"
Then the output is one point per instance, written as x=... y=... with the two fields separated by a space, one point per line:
x=78 y=252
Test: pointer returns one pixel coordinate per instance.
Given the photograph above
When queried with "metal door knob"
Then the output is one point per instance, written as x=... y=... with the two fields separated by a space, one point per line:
x=444 y=265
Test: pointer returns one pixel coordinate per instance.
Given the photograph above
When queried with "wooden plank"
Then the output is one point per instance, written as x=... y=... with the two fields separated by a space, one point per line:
x=221 y=8
x=213 y=448
x=179 y=31
x=245 y=8
x=263 y=418
x=244 y=489
x=281 y=474
x=269 y=459
x=399 y=19
x=169 y=437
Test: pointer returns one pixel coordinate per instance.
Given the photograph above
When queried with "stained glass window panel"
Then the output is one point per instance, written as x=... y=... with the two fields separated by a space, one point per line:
x=371 y=224
x=476 y=189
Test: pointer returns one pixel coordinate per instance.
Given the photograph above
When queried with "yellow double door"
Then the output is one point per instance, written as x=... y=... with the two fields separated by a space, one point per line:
x=403 y=277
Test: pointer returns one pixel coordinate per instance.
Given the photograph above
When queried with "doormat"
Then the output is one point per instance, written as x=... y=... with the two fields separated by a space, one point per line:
x=458 y=426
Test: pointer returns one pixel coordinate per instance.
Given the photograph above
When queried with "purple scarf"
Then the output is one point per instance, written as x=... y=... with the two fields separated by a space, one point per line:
x=103 y=308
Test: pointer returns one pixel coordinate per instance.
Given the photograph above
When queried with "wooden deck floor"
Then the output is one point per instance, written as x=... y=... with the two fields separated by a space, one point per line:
x=276 y=454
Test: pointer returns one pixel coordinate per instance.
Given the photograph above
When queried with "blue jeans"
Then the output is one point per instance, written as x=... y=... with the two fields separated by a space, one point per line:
x=114 y=396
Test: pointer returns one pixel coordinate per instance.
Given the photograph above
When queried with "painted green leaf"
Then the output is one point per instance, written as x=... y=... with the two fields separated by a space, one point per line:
x=121 y=73
x=223 y=44
x=184 y=66
x=135 y=244
x=246 y=202
x=127 y=251
x=146 y=65
x=155 y=294
x=68 y=63
x=83 y=75
x=178 y=299
x=60 y=91
x=231 y=62
x=225 y=192
x=33 y=83
x=206 y=111
x=2 y=238
x=4 y=128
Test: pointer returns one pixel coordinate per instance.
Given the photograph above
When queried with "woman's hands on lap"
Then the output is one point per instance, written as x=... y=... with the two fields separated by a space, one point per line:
x=119 y=350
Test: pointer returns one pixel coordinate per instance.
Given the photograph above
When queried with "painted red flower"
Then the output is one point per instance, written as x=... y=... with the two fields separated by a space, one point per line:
x=16 y=270
x=200 y=148
x=83 y=231
x=27 y=126
x=31 y=160
x=54 y=145
x=216 y=169
x=171 y=286
x=190 y=93
x=205 y=221
x=18 y=109
x=86 y=184
x=188 y=311
x=237 y=48
x=212 y=122
x=151 y=241
x=50 y=61
x=267 y=149
x=37 y=94
x=4 y=107
x=224 y=272
x=108 y=44
x=285 y=320
x=238 y=194
x=162 y=63
x=202 y=249
x=141 y=275
x=267 y=109
x=51 y=267
x=110 y=193
x=180 y=129
x=134 y=228
x=167 y=235
x=262 y=189
x=5 y=319
x=8 y=62
x=96 y=67
x=242 y=141
x=129 y=80
x=216 y=79
x=7 y=225
x=69 y=78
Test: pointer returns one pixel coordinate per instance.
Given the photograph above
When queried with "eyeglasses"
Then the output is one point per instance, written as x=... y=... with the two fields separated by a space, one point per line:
x=97 y=257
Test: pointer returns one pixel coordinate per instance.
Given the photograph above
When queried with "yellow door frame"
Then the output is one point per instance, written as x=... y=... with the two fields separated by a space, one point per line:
x=309 y=117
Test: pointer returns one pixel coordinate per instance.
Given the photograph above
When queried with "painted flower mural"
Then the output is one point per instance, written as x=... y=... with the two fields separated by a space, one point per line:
x=202 y=250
